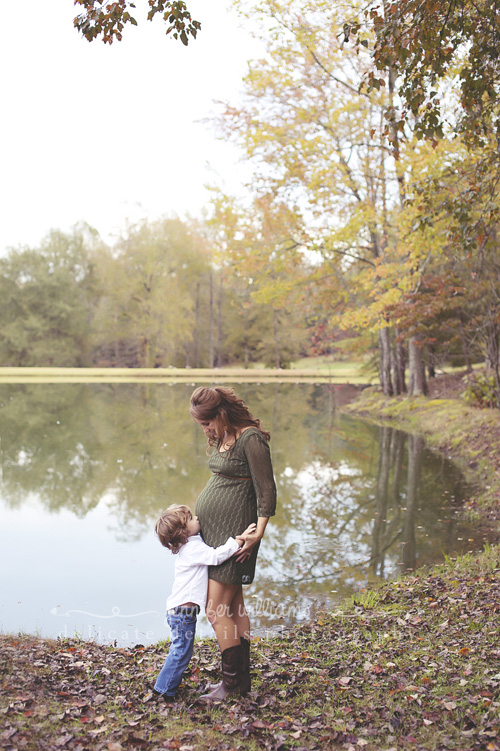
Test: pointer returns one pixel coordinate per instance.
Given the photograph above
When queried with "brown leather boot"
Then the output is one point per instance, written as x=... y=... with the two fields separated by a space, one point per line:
x=232 y=675
x=245 y=680
x=246 y=684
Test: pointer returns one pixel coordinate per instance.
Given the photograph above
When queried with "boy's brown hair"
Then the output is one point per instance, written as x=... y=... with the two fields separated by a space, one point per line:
x=171 y=527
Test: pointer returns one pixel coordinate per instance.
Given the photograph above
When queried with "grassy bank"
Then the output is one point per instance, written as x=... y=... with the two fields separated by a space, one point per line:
x=309 y=370
x=414 y=664
x=468 y=435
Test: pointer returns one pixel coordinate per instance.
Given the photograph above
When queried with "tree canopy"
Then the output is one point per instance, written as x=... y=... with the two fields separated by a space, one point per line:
x=422 y=42
x=374 y=204
x=106 y=20
x=400 y=241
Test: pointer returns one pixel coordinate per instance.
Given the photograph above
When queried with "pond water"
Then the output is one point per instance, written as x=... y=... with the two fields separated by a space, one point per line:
x=86 y=469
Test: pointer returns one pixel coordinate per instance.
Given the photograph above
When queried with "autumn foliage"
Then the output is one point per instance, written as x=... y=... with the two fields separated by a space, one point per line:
x=106 y=20
x=374 y=202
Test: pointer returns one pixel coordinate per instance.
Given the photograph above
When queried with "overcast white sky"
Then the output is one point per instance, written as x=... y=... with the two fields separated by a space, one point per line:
x=104 y=133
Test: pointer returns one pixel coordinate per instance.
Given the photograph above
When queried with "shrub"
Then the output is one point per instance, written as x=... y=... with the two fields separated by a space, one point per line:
x=481 y=390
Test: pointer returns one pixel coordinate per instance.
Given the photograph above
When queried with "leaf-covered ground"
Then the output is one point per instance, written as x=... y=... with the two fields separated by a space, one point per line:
x=412 y=665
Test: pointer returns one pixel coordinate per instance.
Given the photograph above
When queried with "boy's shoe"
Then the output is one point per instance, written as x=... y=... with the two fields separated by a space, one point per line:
x=154 y=694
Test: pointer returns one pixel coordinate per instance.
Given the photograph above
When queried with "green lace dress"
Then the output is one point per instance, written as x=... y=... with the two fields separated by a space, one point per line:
x=240 y=489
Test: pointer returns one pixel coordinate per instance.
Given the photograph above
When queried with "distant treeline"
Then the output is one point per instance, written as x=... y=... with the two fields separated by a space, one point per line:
x=156 y=298
x=169 y=293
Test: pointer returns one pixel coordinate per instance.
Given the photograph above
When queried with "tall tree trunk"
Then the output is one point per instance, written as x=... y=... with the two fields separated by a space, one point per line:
x=196 y=362
x=417 y=379
x=395 y=137
x=277 y=360
x=145 y=349
x=401 y=365
x=431 y=364
x=211 y=328
x=465 y=342
x=384 y=339
x=218 y=357
x=116 y=346
x=246 y=349
x=492 y=353
x=398 y=366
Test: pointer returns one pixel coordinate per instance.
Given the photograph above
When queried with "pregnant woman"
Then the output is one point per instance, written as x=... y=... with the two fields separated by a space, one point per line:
x=240 y=491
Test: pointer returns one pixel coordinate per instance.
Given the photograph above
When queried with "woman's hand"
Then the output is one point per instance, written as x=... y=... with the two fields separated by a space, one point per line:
x=248 y=531
x=250 y=540
x=246 y=535
x=251 y=536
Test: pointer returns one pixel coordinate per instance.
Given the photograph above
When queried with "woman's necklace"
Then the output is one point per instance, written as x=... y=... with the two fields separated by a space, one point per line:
x=227 y=441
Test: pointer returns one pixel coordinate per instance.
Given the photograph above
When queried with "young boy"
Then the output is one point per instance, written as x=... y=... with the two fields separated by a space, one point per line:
x=179 y=531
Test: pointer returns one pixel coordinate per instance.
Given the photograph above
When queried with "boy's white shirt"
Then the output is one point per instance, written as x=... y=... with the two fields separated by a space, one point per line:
x=191 y=570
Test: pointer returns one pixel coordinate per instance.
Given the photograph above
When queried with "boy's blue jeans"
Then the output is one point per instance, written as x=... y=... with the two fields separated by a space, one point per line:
x=182 y=624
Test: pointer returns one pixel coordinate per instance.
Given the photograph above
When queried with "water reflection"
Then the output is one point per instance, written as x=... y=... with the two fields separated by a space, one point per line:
x=374 y=502
x=355 y=501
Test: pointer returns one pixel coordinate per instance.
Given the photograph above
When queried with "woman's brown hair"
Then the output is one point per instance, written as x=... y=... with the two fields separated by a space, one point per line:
x=171 y=527
x=228 y=410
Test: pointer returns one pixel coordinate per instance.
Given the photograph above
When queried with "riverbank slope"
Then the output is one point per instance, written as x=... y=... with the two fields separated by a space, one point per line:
x=414 y=664
x=467 y=435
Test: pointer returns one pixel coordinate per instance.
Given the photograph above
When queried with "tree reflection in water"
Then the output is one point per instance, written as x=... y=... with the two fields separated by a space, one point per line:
x=356 y=501
x=376 y=504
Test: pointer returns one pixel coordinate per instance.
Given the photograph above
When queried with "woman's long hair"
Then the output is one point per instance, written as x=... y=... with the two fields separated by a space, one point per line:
x=228 y=410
